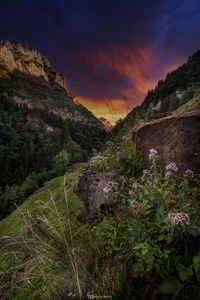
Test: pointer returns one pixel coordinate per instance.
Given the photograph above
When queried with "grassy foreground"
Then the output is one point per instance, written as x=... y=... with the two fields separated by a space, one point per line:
x=38 y=259
x=145 y=245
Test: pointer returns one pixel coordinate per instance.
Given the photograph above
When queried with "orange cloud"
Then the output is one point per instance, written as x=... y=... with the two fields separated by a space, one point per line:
x=140 y=67
x=112 y=109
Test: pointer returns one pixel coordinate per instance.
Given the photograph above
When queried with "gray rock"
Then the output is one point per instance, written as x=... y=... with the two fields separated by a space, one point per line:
x=90 y=188
x=176 y=138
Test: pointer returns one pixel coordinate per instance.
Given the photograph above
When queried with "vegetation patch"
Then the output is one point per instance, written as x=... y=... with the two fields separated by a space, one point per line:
x=144 y=245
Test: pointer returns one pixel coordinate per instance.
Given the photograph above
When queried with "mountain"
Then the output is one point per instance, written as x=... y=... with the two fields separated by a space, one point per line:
x=107 y=125
x=178 y=92
x=27 y=77
x=44 y=130
x=51 y=249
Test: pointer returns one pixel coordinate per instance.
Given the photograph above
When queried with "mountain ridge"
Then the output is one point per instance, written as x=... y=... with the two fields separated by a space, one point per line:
x=28 y=78
x=180 y=86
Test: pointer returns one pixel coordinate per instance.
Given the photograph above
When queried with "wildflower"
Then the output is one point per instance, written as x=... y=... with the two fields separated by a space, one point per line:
x=106 y=190
x=145 y=175
x=135 y=205
x=122 y=178
x=120 y=155
x=129 y=157
x=184 y=182
x=153 y=154
x=131 y=192
x=179 y=218
x=169 y=173
x=119 y=217
x=171 y=166
x=189 y=173
x=171 y=216
x=136 y=185
x=125 y=139
x=146 y=172
x=111 y=144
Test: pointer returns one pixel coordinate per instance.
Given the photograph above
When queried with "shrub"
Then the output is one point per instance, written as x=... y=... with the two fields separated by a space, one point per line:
x=155 y=231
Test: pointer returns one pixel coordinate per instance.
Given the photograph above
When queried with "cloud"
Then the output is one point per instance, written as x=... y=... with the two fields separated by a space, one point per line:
x=109 y=50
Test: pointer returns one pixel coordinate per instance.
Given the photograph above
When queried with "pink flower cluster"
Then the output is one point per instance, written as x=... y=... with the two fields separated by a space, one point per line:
x=153 y=154
x=131 y=192
x=120 y=155
x=125 y=139
x=111 y=144
x=188 y=173
x=179 y=218
x=135 y=206
x=171 y=166
x=136 y=185
x=146 y=177
x=169 y=173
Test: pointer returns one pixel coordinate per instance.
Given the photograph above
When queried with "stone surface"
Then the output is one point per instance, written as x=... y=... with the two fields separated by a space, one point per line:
x=90 y=188
x=176 y=138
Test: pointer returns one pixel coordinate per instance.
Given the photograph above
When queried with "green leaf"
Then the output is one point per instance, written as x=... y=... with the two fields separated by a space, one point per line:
x=162 y=237
x=144 y=251
x=171 y=287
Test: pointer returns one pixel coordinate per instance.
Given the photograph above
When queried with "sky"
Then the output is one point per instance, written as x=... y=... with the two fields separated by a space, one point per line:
x=112 y=52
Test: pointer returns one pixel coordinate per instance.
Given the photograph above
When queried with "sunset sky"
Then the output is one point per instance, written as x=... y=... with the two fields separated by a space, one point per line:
x=112 y=52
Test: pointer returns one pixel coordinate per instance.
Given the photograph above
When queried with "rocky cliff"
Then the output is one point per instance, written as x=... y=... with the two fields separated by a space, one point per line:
x=17 y=57
x=26 y=76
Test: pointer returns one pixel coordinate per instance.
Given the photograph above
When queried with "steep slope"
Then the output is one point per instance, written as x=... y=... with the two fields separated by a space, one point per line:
x=179 y=87
x=35 y=146
x=43 y=129
x=28 y=78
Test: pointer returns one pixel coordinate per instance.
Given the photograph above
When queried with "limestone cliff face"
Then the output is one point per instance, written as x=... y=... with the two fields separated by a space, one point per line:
x=17 y=57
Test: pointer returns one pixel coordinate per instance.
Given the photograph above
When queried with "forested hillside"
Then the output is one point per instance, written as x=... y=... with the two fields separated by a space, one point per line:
x=36 y=145
x=179 y=87
x=43 y=131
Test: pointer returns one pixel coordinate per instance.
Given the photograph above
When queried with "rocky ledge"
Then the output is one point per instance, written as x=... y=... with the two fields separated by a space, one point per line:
x=176 y=138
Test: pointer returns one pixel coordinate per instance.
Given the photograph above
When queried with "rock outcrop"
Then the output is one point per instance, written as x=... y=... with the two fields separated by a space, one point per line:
x=17 y=57
x=176 y=138
x=91 y=186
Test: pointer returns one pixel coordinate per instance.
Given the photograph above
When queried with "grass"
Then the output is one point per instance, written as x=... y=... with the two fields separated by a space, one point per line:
x=41 y=236
x=191 y=105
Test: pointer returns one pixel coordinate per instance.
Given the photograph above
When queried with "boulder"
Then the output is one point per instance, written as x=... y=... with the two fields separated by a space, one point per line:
x=90 y=188
x=176 y=138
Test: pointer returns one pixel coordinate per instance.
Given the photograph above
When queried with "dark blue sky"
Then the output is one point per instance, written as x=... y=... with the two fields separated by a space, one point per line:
x=108 y=50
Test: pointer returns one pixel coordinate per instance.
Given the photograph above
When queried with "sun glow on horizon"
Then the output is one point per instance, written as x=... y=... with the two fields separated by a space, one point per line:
x=141 y=67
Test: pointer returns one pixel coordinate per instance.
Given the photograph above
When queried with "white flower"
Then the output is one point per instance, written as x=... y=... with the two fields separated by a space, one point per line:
x=106 y=189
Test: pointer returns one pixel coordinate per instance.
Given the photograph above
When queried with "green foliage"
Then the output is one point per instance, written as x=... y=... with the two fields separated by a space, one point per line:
x=183 y=80
x=149 y=237
x=131 y=251
x=61 y=162
x=36 y=141
x=123 y=157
